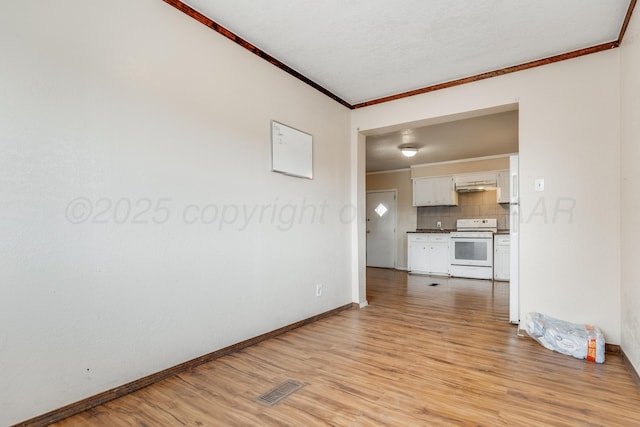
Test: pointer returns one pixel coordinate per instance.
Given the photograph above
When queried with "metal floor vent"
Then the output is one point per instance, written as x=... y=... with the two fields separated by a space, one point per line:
x=279 y=392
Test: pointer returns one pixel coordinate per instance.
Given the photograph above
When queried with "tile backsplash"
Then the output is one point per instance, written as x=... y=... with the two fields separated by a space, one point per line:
x=470 y=205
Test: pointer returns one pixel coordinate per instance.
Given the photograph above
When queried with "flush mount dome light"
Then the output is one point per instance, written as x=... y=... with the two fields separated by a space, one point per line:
x=409 y=151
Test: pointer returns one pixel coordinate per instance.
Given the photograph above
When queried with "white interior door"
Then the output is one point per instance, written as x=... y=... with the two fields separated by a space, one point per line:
x=381 y=229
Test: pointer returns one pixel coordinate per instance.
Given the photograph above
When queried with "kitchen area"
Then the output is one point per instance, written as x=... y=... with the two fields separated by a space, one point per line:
x=458 y=219
x=463 y=224
x=451 y=190
x=475 y=249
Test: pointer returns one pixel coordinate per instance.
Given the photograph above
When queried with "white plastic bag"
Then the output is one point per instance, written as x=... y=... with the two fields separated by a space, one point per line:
x=579 y=341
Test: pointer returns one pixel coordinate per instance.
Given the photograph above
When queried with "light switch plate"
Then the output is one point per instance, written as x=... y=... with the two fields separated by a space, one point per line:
x=539 y=184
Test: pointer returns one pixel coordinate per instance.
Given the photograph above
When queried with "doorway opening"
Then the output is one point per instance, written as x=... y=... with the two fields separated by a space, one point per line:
x=446 y=145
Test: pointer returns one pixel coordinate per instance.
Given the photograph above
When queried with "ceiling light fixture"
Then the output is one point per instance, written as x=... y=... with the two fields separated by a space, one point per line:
x=409 y=151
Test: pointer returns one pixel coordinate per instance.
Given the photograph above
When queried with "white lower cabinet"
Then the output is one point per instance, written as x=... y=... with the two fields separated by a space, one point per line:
x=428 y=253
x=438 y=254
x=501 y=245
x=417 y=253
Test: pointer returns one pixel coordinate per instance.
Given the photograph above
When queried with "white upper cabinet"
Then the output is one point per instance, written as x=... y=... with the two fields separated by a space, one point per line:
x=503 y=187
x=434 y=191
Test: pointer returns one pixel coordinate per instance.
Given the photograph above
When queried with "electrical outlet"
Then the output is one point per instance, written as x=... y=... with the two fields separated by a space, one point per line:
x=438 y=224
x=318 y=289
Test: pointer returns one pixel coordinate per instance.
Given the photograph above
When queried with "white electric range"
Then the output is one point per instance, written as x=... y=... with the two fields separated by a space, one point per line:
x=472 y=248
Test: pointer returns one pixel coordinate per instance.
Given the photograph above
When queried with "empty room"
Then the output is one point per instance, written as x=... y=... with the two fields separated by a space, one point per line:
x=319 y=213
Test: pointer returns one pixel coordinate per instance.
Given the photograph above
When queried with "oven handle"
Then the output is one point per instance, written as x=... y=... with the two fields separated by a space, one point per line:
x=472 y=238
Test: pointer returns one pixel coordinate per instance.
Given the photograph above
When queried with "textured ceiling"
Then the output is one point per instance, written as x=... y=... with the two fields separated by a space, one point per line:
x=362 y=50
x=485 y=135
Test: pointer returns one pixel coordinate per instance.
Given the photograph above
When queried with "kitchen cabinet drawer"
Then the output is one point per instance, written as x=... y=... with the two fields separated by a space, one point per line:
x=439 y=238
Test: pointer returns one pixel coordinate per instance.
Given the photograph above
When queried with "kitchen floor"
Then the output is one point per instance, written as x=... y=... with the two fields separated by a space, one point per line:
x=456 y=296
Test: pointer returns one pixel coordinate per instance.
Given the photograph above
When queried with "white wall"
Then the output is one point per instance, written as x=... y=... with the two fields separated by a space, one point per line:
x=630 y=180
x=569 y=135
x=122 y=102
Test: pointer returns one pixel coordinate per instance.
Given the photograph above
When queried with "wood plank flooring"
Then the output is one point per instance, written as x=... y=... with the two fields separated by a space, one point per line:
x=417 y=355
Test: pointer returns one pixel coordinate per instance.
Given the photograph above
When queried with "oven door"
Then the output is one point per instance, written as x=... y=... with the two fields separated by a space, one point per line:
x=475 y=251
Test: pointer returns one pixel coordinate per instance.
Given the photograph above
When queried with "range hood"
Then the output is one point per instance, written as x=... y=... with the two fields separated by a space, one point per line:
x=470 y=183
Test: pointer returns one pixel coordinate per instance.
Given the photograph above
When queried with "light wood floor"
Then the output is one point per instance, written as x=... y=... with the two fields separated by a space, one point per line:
x=418 y=355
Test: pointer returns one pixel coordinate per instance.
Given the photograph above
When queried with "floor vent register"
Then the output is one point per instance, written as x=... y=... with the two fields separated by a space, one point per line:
x=279 y=392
